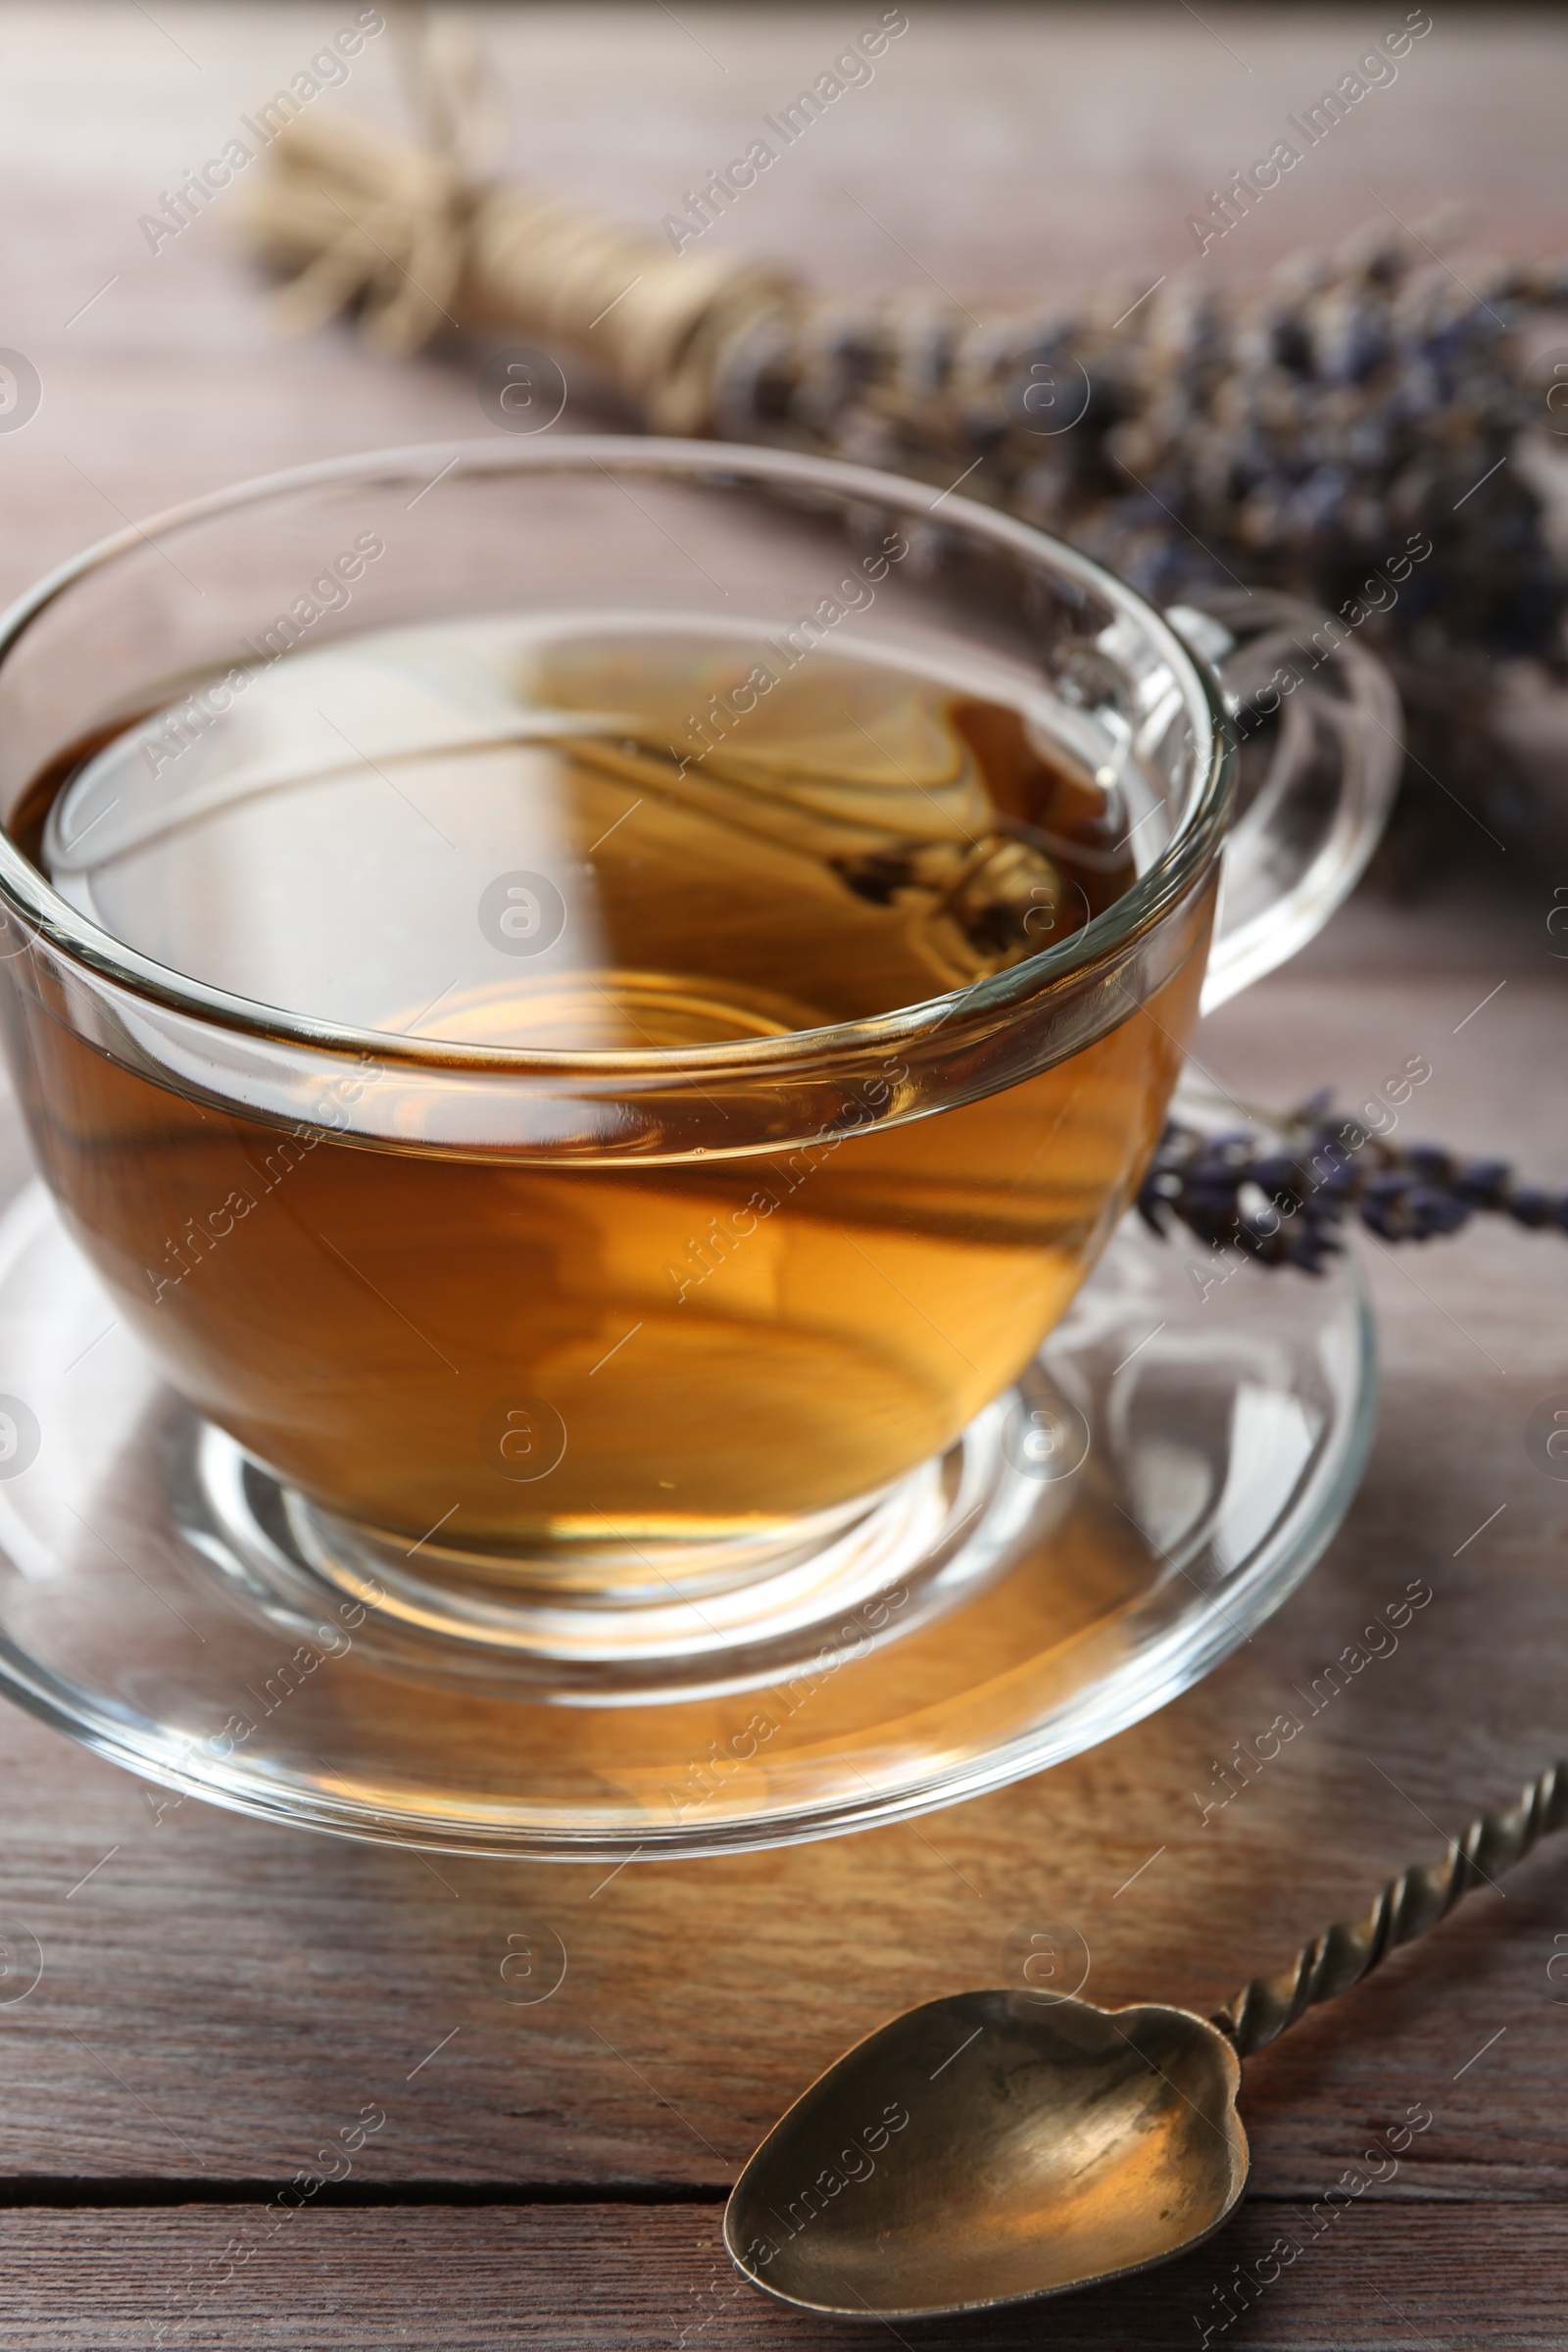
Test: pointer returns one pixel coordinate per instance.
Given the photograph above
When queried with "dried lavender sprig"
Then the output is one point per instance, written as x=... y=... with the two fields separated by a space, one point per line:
x=1305 y=433
x=1293 y=434
x=1282 y=1202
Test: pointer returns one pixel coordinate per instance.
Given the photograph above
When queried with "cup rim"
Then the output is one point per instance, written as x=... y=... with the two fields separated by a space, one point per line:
x=83 y=943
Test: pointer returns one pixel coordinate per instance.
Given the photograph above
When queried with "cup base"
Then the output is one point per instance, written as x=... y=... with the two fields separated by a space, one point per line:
x=659 y=1622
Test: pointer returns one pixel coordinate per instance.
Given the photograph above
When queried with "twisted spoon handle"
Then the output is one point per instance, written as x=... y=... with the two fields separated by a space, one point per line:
x=1407 y=1906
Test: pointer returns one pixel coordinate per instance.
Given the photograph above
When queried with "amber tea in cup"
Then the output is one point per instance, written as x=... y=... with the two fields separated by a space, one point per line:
x=702 y=1346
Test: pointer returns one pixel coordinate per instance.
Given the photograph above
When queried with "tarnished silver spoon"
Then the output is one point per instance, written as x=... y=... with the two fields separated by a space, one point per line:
x=998 y=2147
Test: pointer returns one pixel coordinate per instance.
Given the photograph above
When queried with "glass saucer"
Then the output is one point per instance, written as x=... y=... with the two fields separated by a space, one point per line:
x=1172 y=1463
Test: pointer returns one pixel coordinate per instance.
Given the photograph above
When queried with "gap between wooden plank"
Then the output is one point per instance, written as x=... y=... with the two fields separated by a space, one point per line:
x=65 y=2192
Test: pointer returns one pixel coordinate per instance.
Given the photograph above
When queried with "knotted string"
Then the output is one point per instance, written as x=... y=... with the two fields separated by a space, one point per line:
x=417 y=239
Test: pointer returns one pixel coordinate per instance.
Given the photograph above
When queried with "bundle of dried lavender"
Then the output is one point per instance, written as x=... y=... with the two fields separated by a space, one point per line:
x=1306 y=434
x=1280 y=1202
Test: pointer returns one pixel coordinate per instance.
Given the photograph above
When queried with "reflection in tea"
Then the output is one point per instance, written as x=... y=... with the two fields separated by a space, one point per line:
x=624 y=833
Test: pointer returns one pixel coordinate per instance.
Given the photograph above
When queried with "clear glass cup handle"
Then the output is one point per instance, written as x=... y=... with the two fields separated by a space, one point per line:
x=1319 y=728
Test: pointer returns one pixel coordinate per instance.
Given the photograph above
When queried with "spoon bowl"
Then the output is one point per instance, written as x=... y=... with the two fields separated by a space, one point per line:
x=999 y=2147
x=991 y=2149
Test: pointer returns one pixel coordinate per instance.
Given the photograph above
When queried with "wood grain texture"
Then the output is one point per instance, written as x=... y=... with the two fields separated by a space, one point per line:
x=619 y=2279
x=219 y=1996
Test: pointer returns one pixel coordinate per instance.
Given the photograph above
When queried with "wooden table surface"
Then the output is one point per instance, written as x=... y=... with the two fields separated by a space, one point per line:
x=218 y=1996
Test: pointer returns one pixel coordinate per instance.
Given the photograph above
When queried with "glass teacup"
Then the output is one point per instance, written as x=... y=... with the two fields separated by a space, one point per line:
x=572 y=1121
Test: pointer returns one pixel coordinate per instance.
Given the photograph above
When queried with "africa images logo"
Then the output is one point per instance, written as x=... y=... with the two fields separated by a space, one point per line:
x=1374 y=69
x=851 y=69
x=327 y=69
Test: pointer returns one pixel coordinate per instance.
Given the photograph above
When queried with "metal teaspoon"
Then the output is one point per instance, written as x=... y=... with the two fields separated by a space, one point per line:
x=1048 y=2144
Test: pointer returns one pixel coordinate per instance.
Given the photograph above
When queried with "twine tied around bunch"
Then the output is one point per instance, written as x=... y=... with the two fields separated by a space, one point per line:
x=418 y=237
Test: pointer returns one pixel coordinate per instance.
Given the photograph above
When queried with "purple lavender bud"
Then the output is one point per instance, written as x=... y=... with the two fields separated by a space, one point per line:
x=1387 y=1185
x=1484 y=1181
x=1430 y=1212
x=1278 y=1175
x=1308 y=1250
x=1528 y=1205
x=1152 y=1209
x=1211 y=1200
x=1340 y=1182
